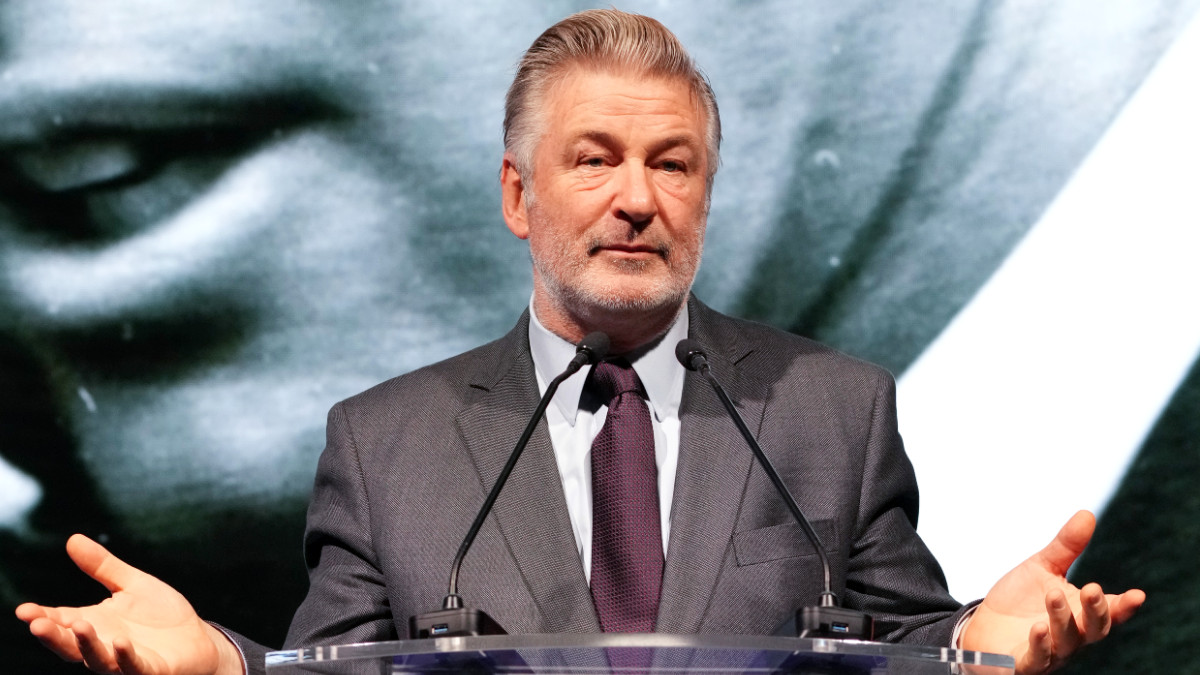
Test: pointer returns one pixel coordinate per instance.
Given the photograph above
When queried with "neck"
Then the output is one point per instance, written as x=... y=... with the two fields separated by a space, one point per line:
x=627 y=329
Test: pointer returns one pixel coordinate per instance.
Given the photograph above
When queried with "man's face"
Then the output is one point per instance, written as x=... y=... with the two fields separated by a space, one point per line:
x=216 y=219
x=615 y=208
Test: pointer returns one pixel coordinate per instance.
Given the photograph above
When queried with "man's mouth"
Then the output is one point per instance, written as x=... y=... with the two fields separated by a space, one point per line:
x=633 y=250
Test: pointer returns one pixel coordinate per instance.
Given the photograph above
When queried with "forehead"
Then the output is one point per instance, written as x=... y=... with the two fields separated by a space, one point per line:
x=111 y=58
x=583 y=99
x=112 y=30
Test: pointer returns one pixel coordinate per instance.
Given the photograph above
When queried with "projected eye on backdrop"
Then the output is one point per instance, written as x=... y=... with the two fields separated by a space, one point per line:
x=219 y=218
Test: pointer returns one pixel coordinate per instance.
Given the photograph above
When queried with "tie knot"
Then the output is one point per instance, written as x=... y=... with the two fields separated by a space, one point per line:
x=613 y=378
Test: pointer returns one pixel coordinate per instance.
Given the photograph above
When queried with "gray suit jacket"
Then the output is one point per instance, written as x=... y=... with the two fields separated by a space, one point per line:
x=409 y=461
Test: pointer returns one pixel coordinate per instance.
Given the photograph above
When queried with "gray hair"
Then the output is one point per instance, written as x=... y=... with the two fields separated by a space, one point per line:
x=601 y=39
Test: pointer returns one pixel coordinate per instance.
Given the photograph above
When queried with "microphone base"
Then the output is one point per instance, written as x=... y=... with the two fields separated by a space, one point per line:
x=837 y=623
x=460 y=622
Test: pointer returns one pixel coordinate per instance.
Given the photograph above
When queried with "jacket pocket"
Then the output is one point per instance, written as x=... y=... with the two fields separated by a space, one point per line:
x=777 y=542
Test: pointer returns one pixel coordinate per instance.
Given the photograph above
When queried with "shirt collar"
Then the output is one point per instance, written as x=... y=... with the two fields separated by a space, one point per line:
x=657 y=368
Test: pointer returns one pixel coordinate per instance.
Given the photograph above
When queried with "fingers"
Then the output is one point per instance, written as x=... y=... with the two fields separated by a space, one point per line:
x=1065 y=634
x=96 y=655
x=1095 y=619
x=56 y=638
x=61 y=616
x=96 y=562
x=1125 y=605
x=1040 y=655
x=1100 y=612
x=52 y=627
x=1068 y=543
x=1066 y=629
x=128 y=660
x=28 y=611
x=63 y=631
x=1052 y=641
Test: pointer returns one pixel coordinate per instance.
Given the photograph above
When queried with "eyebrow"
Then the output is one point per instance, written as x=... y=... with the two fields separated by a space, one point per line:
x=609 y=140
x=36 y=114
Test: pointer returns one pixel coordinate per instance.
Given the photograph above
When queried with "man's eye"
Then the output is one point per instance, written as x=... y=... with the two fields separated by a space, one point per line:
x=671 y=166
x=95 y=189
x=594 y=162
x=115 y=169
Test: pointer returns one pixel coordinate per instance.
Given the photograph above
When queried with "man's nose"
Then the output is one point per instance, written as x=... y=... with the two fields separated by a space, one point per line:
x=635 y=200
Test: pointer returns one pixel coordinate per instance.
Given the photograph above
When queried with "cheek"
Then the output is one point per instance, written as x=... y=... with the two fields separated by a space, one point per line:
x=687 y=224
x=683 y=199
x=547 y=237
x=694 y=246
x=685 y=189
x=557 y=220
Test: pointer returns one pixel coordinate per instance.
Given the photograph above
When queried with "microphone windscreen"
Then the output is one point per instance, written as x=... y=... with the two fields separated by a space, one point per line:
x=686 y=351
x=595 y=345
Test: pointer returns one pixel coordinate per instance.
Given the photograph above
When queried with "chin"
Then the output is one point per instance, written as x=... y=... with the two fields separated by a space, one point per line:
x=660 y=296
x=615 y=291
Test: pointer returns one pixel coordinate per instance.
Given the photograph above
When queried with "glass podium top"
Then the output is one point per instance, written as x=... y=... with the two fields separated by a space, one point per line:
x=641 y=653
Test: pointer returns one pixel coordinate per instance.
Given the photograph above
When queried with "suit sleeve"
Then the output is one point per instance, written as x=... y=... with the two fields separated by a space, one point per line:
x=347 y=599
x=891 y=574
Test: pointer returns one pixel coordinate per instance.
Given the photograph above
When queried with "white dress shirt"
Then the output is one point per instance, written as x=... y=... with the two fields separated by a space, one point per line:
x=574 y=420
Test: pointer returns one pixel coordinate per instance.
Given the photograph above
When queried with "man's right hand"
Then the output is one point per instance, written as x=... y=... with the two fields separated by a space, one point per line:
x=145 y=628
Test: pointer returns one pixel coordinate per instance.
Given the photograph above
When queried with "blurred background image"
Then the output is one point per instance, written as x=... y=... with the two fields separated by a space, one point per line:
x=219 y=218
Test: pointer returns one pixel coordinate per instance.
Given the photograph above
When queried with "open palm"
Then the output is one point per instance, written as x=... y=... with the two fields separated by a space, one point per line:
x=145 y=627
x=1037 y=616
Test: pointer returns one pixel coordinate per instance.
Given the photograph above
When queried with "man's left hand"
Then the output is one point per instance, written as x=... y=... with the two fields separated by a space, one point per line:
x=1037 y=616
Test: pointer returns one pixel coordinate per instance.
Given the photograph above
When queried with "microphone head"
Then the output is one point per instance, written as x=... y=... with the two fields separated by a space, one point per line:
x=594 y=346
x=690 y=354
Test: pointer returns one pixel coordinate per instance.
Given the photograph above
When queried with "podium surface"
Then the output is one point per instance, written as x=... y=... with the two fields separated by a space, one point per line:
x=641 y=653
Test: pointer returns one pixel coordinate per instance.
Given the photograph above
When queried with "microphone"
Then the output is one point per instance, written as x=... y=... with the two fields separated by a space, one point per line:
x=827 y=620
x=454 y=620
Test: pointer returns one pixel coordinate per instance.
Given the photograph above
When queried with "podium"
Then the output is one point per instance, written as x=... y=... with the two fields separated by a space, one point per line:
x=633 y=653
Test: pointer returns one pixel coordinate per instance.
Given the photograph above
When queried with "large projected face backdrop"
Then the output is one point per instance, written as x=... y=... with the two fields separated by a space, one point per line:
x=217 y=218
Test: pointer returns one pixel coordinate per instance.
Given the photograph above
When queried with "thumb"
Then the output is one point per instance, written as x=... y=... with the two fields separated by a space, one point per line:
x=1068 y=544
x=96 y=562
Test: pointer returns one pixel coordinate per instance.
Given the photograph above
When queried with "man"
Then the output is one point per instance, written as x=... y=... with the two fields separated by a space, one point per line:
x=611 y=141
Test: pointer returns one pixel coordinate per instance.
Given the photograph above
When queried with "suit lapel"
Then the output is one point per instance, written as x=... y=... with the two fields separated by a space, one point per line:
x=531 y=510
x=710 y=480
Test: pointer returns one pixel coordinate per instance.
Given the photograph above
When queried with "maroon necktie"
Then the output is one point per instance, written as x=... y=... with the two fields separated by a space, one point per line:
x=627 y=556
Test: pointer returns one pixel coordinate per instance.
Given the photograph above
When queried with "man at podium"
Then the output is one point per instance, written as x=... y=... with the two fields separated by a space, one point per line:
x=637 y=506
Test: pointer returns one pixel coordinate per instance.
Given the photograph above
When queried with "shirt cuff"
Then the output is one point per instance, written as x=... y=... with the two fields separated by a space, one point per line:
x=242 y=654
x=960 y=626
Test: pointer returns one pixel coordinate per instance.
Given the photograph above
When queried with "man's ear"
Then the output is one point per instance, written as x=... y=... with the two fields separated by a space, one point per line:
x=513 y=198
